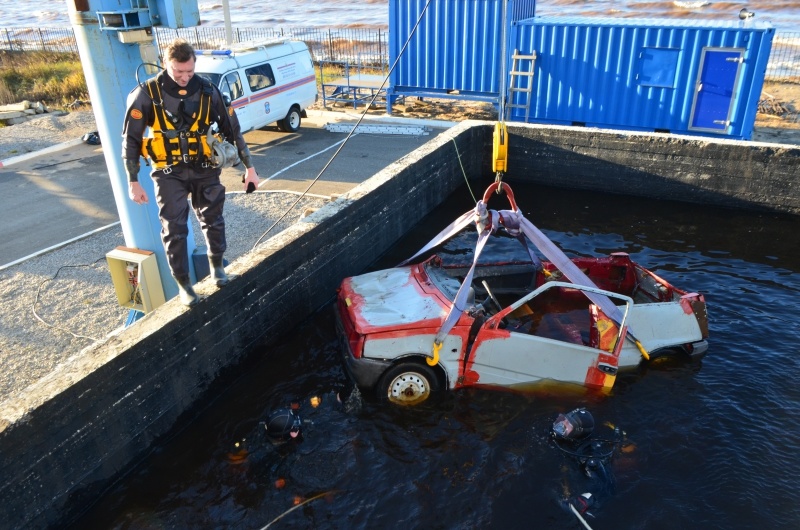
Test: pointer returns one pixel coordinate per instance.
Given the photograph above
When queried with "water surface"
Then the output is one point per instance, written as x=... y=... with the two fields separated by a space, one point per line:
x=784 y=14
x=713 y=444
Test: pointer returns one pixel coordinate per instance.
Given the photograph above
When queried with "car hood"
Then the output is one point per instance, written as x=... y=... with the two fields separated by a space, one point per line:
x=392 y=299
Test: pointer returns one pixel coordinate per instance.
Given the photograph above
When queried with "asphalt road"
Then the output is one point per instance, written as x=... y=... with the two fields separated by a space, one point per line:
x=60 y=196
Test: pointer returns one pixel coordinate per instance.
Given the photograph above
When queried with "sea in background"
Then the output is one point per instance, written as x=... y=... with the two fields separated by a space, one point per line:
x=783 y=14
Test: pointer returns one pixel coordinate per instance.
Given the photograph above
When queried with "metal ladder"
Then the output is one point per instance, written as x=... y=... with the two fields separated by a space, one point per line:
x=513 y=87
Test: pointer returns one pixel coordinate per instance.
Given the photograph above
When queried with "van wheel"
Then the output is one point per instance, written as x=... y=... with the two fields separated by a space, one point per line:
x=408 y=384
x=292 y=120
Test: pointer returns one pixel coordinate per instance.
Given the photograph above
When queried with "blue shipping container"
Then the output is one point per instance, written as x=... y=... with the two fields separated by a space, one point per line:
x=454 y=51
x=680 y=76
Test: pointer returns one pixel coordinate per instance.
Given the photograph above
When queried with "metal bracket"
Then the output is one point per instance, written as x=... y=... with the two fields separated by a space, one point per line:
x=137 y=17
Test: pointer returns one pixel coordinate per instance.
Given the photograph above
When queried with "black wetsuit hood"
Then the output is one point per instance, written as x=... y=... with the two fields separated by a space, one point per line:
x=172 y=88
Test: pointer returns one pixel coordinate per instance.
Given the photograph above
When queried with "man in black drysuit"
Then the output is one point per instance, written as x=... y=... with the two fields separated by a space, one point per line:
x=180 y=108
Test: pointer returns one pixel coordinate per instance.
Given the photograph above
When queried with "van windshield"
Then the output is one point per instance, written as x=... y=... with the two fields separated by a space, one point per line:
x=214 y=78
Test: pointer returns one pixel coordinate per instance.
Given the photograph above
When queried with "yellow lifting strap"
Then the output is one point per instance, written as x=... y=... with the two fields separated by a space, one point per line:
x=644 y=352
x=500 y=148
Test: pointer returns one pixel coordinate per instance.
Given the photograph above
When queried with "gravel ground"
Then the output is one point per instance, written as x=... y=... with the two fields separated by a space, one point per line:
x=55 y=305
x=44 y=131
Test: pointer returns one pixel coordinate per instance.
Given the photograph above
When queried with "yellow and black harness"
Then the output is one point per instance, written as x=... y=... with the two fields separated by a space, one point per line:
x=170 y=145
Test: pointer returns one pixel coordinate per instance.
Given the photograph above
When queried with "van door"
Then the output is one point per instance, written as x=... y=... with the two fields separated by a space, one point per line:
x=260 y=79
x=231 y=85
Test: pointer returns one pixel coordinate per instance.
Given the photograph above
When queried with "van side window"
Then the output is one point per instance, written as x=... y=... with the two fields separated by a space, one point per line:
x=232 y=85
x=260 y=77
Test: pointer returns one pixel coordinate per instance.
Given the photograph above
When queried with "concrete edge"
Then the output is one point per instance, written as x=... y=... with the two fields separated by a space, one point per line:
x=644 y=134
x=71 y=370
x=66 y=437
x=33 y=154
x=354 y=116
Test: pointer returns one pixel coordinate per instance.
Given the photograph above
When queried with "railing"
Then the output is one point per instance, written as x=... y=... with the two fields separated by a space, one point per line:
x=368 y=46
x=38 y=39
x=363 y=46
x=784 y=58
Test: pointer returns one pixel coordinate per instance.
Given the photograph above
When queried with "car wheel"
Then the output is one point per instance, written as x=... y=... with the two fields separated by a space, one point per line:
x=292 y=120
x=408 y=384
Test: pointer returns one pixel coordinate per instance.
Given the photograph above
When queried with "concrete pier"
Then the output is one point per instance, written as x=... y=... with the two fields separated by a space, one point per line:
x=728 y=173
x=65 y=439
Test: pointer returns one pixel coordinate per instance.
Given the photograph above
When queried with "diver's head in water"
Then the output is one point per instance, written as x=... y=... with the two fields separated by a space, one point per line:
x=283 y=425
x=574 y=426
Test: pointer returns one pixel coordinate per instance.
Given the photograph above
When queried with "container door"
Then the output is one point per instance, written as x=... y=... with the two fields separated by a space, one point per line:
x=715 y=91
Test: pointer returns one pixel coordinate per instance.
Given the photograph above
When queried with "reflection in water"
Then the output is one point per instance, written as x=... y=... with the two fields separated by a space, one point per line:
x=712 y=444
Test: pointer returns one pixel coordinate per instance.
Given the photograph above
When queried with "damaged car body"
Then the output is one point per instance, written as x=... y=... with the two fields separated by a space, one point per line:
x=415 y=329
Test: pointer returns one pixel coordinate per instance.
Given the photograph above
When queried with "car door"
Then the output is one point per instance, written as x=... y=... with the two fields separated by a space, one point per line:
x=519 y=346
x=506 y=358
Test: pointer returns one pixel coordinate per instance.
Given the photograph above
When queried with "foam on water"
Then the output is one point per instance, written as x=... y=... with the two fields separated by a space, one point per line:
x=784 y=14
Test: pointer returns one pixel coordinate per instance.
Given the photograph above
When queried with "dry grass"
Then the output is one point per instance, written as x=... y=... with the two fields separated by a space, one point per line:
x=53 y=78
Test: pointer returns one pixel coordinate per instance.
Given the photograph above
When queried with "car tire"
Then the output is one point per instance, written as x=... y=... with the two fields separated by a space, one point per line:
x=408 y=384
x=291 y=123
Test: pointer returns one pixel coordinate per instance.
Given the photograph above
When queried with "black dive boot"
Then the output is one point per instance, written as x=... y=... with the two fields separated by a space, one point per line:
x=186 y=291
x=218 y=270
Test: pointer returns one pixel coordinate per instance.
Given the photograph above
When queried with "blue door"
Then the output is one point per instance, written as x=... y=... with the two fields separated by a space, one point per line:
x=716 y=88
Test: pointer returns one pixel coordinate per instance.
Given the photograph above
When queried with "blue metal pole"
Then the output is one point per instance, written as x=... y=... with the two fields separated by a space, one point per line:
x=110 y=66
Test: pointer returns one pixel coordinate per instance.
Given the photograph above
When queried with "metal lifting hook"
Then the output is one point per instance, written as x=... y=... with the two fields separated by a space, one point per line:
x=499 y=188
x=500 y=153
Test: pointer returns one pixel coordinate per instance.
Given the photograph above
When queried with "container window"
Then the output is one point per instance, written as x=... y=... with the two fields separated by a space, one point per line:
x=659 y=67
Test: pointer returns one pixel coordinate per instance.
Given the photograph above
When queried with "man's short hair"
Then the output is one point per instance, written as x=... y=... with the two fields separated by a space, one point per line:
x=179 y=50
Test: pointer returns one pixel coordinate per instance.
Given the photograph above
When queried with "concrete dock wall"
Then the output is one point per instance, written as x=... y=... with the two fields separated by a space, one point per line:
x=67 y=437
x=730 y=173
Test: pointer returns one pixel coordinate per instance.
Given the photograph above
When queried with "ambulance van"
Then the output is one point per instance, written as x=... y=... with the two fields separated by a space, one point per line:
x=269 y=82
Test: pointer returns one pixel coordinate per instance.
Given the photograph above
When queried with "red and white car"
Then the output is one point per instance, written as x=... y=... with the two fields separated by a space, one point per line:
x=412 y=330
x=521 y=325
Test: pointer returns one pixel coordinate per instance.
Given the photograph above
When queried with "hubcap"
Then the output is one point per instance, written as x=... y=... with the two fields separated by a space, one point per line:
x=409 y=388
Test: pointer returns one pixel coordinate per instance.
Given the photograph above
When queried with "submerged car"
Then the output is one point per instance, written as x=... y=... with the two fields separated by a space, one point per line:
x=414 y=329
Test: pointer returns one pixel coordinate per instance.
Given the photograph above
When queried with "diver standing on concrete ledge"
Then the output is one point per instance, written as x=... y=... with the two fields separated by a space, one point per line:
x=187 y=159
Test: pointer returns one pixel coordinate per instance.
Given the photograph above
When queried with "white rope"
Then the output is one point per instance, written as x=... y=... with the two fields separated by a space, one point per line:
x=580 y=517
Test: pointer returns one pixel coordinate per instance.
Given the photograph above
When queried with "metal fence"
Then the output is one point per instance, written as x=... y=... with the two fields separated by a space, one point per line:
x=363 y=47
x=367 y=46
x=355 y=45
x=39 y=39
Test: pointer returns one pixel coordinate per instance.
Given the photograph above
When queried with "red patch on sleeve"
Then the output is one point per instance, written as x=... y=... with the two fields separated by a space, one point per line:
x=136 y=114
x=230 y=111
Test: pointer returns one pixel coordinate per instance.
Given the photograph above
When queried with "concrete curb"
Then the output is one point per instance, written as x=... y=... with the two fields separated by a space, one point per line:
x=29 y=156
x=323 y=115
x=316 y=116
